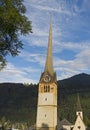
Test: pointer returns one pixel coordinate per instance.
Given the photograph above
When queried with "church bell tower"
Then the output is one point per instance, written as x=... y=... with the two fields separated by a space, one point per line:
x=47 y=93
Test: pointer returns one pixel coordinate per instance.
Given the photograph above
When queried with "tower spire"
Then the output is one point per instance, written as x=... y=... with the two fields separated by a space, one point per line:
x=49 y=60
x=79 y=108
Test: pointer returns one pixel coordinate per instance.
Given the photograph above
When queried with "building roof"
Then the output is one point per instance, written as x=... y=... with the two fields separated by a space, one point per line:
x=61 y=123
x=65 y=122
x=79 y=108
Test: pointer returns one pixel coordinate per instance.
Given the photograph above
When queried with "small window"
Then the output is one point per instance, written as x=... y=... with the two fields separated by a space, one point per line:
x=79 y=127
x=45 y=99
x=45 y=115
x=79 y=113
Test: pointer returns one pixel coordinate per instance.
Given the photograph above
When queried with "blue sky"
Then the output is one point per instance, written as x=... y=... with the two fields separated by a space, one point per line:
x=71 y=41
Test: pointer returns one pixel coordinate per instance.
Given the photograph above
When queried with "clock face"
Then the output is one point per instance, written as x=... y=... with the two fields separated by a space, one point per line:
x=47 y=78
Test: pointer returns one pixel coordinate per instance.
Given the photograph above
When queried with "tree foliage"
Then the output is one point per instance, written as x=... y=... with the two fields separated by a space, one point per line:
x=13 y=23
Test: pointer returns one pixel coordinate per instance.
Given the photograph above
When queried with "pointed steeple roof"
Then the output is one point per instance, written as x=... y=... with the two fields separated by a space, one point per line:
x=49 y=60
x=79 y=108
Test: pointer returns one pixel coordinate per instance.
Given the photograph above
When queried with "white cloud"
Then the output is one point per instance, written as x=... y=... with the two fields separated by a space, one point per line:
x=81 y=61
x=75 y=47
x=14 y=74
x=47 y=8
x=78 y=65
x=39 y=32
x=66 y=74
x=51 y=5
x=84 y=58
x=33 y=57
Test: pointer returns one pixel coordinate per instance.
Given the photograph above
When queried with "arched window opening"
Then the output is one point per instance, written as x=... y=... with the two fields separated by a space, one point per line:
x=48 y=88
x=79 y=127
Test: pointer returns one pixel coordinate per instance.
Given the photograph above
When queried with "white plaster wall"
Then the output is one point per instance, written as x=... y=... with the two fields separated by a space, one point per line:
x=47 y=99
x=67 y=127
x=79 y=123
x=80 y=113
x=47 y=115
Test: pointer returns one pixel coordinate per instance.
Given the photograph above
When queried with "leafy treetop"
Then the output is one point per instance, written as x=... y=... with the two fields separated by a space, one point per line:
x=13 y=23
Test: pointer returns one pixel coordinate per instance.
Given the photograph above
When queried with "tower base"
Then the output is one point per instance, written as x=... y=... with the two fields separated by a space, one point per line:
x=46 y=128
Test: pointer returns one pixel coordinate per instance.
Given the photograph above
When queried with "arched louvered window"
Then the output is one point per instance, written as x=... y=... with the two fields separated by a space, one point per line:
x=46 y=88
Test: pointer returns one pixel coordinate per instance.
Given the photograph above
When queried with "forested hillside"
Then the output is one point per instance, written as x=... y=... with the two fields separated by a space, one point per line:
x=18 y=101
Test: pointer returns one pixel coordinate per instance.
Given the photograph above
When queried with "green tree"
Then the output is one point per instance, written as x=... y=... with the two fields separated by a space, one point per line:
x=3 y=123
x=13 y=23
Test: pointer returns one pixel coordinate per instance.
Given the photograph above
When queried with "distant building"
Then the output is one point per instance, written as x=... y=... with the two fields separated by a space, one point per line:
x=64 y=125
x=79 y=123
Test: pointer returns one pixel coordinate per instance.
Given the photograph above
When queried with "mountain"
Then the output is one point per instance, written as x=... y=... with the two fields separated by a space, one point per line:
x=76 y=84
x=18 y=102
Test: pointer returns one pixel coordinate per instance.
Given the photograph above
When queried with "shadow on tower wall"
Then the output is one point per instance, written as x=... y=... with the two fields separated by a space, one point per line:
x=45 y=127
